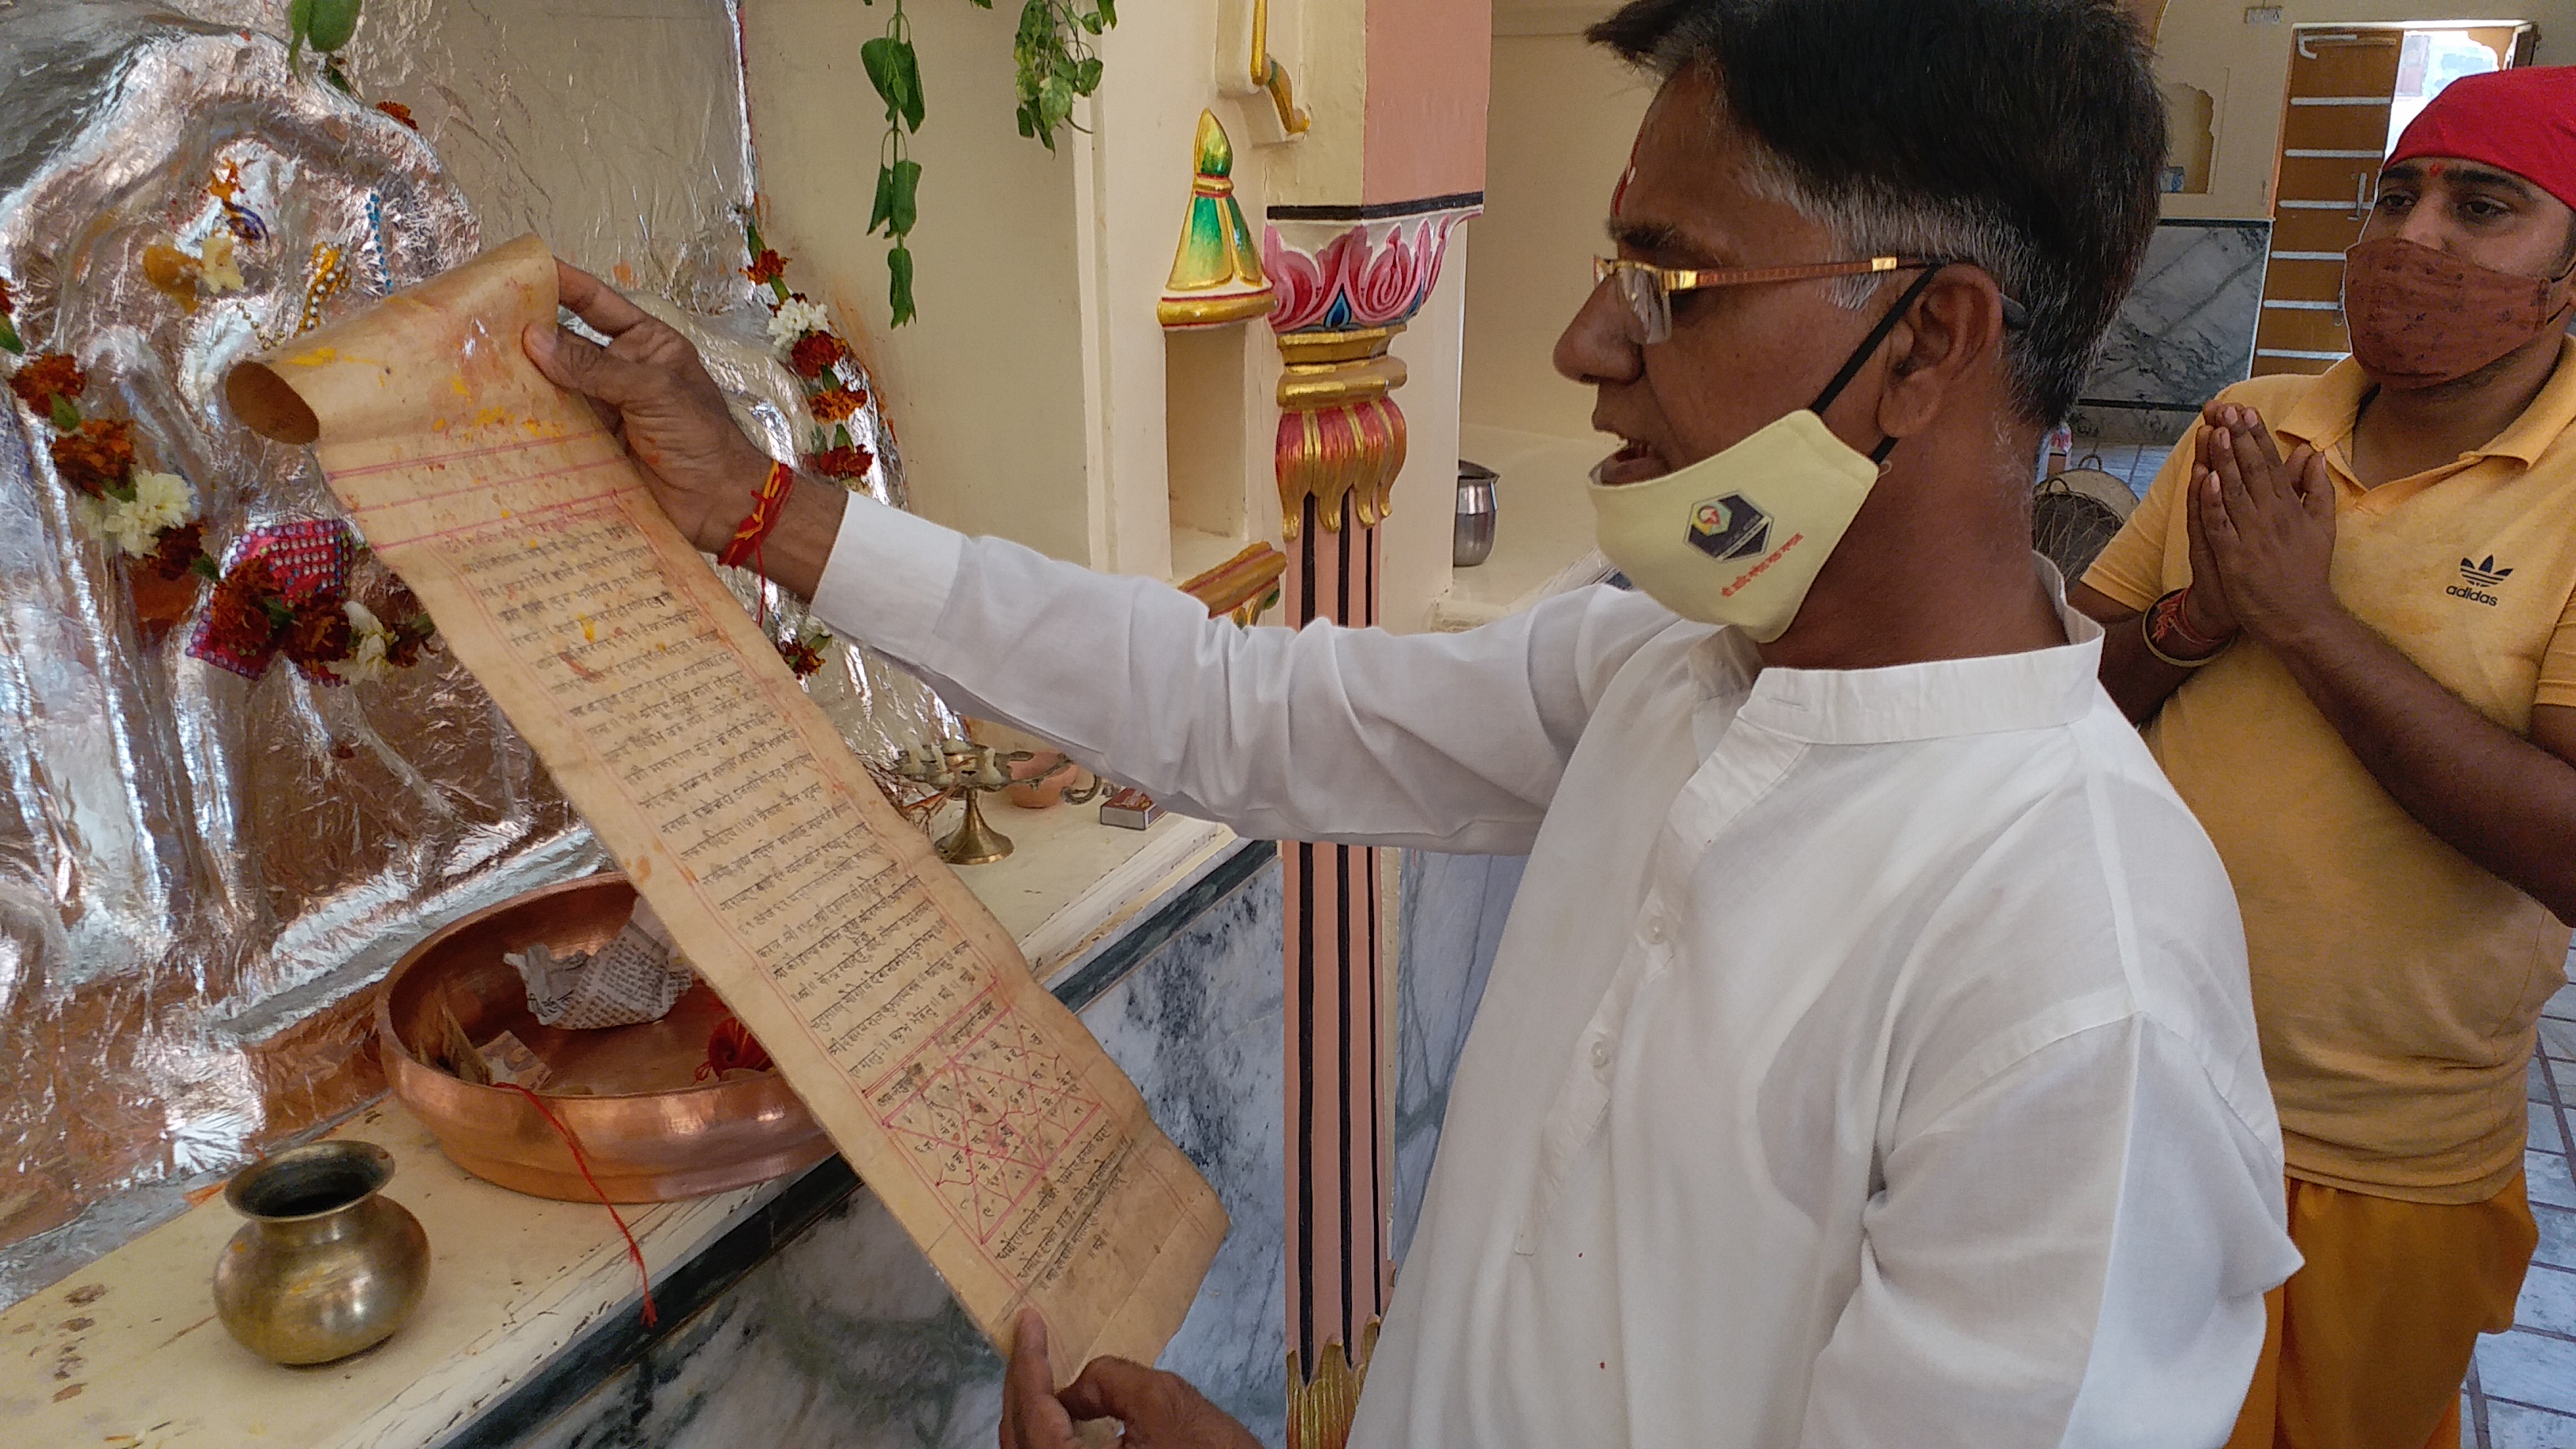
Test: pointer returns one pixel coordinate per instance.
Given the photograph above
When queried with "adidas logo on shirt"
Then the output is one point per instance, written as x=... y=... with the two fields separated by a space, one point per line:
x=2479 y=577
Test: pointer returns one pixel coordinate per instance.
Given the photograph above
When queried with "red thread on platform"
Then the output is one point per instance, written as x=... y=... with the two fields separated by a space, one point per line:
x=582 y=1162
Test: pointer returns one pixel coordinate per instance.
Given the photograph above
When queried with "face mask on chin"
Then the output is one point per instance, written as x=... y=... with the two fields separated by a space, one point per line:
x=1739 y=536
x=2421 y=317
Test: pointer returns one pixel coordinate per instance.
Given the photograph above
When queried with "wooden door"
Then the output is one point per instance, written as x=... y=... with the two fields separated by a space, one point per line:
x=2344 y=83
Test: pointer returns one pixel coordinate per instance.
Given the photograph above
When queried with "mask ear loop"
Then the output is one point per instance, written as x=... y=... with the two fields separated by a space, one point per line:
x=1869 y=348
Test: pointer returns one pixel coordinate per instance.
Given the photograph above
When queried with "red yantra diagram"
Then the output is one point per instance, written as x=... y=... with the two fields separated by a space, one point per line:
x=983 y=1109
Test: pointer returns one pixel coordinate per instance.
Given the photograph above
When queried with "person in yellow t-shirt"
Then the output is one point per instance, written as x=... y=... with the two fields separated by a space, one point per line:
x=2357 y=662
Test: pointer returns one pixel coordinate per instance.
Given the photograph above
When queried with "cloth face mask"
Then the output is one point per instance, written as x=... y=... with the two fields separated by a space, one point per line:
x=1739 y=536
x=2421 y=317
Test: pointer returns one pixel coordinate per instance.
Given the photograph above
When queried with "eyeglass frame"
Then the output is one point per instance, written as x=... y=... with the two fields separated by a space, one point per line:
x=1652 y=308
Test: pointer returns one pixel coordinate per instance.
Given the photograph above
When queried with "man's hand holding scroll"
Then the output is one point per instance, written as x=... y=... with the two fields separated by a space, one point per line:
x=703 y=471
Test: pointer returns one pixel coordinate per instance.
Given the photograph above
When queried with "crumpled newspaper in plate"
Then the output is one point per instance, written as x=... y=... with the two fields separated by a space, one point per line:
x=633 y=979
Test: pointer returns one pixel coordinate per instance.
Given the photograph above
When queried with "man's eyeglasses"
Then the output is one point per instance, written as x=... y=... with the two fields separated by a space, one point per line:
x=1646 y=290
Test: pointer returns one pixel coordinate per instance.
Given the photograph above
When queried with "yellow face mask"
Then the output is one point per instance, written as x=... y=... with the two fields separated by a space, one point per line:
x=1739 y=536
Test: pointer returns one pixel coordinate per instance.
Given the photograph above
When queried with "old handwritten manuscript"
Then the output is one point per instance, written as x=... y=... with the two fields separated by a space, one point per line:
x=1013 y=1150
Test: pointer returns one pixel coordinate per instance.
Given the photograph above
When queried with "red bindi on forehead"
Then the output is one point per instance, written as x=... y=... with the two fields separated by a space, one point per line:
x=1619 y=193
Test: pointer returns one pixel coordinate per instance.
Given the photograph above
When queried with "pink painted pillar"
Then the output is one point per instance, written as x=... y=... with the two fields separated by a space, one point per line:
x=1353 y=257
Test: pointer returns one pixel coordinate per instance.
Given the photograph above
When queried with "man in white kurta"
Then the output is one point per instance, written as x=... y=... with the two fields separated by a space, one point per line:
x=1869 y=1058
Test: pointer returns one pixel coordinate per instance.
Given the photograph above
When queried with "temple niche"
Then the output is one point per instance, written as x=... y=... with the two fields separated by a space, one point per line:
x=1204 y=325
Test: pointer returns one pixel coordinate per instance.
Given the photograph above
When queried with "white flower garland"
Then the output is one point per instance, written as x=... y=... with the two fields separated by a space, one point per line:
x=161 y=501
x=366 y=662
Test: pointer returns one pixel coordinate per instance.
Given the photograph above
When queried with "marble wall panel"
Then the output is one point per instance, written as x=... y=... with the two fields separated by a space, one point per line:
x=845 y=1338
x=1450 y=918
x=1200 y=1027
x=2186 y=330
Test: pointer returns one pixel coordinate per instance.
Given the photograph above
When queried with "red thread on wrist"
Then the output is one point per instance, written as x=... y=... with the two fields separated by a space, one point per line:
x=2167 y=625
x=766 y=510
x=2181 y=627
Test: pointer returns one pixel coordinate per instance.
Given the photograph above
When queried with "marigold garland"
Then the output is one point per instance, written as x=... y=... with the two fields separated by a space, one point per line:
x=182 y=549
x=849 y=463
x=816 y=353
x=97 y=458
x=804 y=653
x=238 y=614
x=318 y=635
x=140 y=515
x=46 y=377
x=835 y=393
x=837 y=404
x=254 y=615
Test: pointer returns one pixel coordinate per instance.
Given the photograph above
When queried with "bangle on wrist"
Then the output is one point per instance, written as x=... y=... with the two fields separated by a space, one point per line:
x=766 y=509
x=2169 y=636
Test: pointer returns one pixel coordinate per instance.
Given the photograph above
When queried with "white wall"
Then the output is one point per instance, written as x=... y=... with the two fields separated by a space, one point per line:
x=1564 y=116
x=1415 y=539
x=982 y=390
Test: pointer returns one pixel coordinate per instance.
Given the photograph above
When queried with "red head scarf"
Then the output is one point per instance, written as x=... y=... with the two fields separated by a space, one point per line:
x=2522 y=121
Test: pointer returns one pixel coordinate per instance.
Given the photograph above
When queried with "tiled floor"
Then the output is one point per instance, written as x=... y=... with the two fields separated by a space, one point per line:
x=2128 y=462
x=2521 y=1392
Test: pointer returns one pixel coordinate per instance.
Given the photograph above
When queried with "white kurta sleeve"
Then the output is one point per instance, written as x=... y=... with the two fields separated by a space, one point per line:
x=1448 y=741
x=2074 y=1253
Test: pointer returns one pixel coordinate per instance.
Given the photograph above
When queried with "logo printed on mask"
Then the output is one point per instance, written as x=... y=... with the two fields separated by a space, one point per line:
x=1729 y=527
x=2481 y=577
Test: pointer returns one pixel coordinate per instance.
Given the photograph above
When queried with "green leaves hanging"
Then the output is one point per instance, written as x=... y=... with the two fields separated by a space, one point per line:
x=895 y=71
x=1053 y=65
x=325 y=26
x=1052 y=61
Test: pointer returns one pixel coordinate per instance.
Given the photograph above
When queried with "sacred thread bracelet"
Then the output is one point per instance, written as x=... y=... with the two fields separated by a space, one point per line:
x=766 y=510
x=2166 y=622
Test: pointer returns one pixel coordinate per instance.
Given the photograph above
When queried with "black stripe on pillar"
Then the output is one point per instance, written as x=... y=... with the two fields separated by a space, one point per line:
x=1342 y=581
x=1368 y=599
x=1303 y=971
x=1306 y=609
x=1350 y=1240
x=1378 y=1187
x=1304 y=1088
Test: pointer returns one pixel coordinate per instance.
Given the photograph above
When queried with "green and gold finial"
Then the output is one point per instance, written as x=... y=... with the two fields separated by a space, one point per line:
x=1216 y=273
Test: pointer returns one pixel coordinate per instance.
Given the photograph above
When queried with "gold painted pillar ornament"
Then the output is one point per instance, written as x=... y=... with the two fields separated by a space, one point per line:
x=1216 y=272
x=1341 y=438
x=1348 y=282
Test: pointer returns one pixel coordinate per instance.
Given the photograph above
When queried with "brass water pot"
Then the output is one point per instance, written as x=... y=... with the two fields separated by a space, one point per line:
x=325 y=1266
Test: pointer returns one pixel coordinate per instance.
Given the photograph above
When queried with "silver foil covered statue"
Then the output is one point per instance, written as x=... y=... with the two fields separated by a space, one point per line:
x=201 y=875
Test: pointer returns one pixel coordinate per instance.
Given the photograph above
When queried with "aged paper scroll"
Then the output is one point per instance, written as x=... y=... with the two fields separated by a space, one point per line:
x=1012 y=1149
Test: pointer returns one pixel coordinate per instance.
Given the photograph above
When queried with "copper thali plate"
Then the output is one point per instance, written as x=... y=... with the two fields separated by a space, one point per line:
x=650 y=1130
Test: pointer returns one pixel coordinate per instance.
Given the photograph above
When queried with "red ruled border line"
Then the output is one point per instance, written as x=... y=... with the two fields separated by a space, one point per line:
x=482 y=485
x=513 y=521
x=436 y=459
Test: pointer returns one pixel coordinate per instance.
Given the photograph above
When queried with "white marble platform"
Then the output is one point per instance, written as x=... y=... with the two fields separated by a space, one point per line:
x=125 y=1353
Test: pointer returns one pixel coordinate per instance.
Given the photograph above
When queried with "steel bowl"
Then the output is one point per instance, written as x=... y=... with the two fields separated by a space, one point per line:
x=650 y=1129
x=1471 y=542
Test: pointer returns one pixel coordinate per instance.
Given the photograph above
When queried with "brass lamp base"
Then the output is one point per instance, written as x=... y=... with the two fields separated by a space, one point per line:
x=973 y=842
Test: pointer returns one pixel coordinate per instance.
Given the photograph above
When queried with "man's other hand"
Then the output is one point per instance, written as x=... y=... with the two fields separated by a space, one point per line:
x=1158 y=1410
x=2269 y=523
x=703 y=471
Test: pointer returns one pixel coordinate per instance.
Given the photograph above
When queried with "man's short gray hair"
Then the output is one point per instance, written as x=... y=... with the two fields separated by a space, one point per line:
x=2022 y=136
